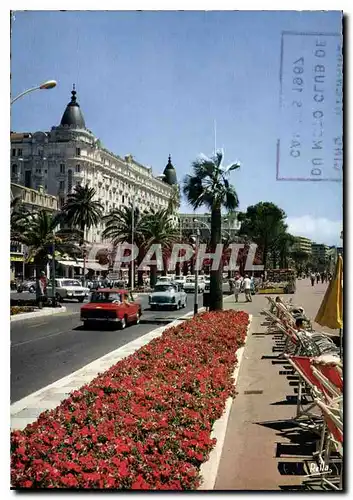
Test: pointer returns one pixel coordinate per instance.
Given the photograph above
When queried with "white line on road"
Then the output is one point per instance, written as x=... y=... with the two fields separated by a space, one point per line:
x=40 y=338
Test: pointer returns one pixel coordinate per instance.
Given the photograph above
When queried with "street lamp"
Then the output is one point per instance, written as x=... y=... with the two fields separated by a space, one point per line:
x=50 y=84
x=196 y=239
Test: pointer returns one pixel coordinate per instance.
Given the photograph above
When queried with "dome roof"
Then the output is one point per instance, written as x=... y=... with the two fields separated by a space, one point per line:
x=170 y=173
x=73 y=116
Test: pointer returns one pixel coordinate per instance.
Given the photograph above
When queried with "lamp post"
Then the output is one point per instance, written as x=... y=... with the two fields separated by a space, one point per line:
x=132 y=244
x=196 y=240
x=50 y=84
x=53 y=271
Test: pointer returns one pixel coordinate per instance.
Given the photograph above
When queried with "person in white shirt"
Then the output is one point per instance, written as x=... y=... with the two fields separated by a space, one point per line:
x=237 y=286
x=247 y=288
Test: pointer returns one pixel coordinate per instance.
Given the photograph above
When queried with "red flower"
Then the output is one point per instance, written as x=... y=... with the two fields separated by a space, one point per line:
x=146 y=422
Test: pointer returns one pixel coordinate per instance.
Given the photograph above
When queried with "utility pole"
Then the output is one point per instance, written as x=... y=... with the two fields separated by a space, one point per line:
x=196 y=296
x=132 y=244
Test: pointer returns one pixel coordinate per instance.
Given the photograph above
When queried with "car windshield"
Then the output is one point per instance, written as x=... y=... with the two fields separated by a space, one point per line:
x=70 y=283
x=105 y=297
x=164 y=288
x=190 y=280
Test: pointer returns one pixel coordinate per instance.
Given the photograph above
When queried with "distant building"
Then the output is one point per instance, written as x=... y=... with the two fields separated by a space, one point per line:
x=319 y=251
x=32 y=200
x=302 y=244
x=202 y=222
x=70 y=154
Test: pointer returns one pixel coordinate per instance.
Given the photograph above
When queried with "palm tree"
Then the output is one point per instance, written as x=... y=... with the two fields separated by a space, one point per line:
x=209 y=186
x=159 y=228
x=42 y=234
x=118 y=229
x=19 y=216
x=83 y=212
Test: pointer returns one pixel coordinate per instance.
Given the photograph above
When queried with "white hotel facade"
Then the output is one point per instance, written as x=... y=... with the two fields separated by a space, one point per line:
x=70 y=154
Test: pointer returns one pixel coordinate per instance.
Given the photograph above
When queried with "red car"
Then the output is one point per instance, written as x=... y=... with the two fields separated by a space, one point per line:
x=111 y=305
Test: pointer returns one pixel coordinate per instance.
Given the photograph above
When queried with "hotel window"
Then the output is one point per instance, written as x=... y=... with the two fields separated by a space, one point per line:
x=78 y=169
x=78 y=151
x=62 y=168
x=123 y=199
x=19 y=152
x=14 y=169
x=62 y=201
x=14 y=152
x=62 y=185
x=69 y=181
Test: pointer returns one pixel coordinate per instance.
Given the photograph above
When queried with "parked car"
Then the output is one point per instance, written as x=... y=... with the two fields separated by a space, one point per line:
x=190 y=284
x=167 y=295
x=111 y=305
x=67 y=289
x=26 y=286
x=180 y=280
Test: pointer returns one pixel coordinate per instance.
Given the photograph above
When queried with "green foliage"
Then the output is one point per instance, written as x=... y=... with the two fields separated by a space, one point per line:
x=264 y=224
x=209 y=186
x=81 y=210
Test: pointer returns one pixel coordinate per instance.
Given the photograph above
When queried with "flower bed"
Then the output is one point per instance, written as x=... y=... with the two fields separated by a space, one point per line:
x=143 y=424
x=21 y=309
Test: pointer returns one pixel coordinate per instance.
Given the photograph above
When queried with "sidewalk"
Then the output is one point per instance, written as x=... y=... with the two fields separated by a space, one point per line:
x=257 y=454
x=37 y=314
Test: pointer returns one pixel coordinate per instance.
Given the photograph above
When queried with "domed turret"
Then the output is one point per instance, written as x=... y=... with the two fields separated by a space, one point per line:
x=170 y=173
x=73 y=116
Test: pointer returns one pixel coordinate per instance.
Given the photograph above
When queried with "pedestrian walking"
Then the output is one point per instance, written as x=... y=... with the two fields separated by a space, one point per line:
x=247 y=288
x=312 y=278
x=237 y=287
x=317 y=278
x=41 y=289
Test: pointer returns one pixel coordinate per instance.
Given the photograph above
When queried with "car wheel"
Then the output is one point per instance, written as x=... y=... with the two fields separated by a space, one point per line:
x=58 y=297
x=31 y=289
x=123 y=323
x=81 y=299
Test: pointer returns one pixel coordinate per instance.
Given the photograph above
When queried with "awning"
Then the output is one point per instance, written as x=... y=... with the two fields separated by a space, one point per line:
x=94 y=266
x=70 y=263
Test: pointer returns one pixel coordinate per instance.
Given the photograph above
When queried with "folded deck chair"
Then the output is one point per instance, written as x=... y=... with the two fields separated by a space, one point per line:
x=334 y=442
x=302 y=365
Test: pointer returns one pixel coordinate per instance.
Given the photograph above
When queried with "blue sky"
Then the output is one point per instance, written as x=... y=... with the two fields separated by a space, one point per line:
x=152 y=83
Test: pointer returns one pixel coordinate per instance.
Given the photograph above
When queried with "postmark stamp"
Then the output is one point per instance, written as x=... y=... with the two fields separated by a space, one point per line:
x=310 y=143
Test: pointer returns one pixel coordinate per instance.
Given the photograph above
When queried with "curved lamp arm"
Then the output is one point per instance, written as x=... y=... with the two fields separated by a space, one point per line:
x=50 y=84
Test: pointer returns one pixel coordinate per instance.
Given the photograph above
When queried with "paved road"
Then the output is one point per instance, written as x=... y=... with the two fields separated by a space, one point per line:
x=46 y=349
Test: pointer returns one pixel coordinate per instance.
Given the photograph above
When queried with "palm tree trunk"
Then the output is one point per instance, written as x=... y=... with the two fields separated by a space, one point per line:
x=153 y=275
x=216 y=279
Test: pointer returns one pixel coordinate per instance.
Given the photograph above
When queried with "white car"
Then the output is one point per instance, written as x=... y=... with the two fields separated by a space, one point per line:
x=66 y=288
x=167 y=295
x=190 y=283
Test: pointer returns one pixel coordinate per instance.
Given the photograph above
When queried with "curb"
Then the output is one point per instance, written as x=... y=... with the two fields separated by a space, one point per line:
x=37 y=314
x=27 y=410
x=209 y=469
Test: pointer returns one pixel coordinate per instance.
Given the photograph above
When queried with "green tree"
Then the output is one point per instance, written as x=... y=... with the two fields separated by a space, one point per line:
x=19 y=216
x=42 y=231
x=209 y=186
x=118 y=229
x=262 y=224
x=83 y=212
x=300 y=259
x=159 y=228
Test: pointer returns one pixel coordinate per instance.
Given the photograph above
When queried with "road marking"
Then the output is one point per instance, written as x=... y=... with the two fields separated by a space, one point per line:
x=39 y=338
x=38 y=324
